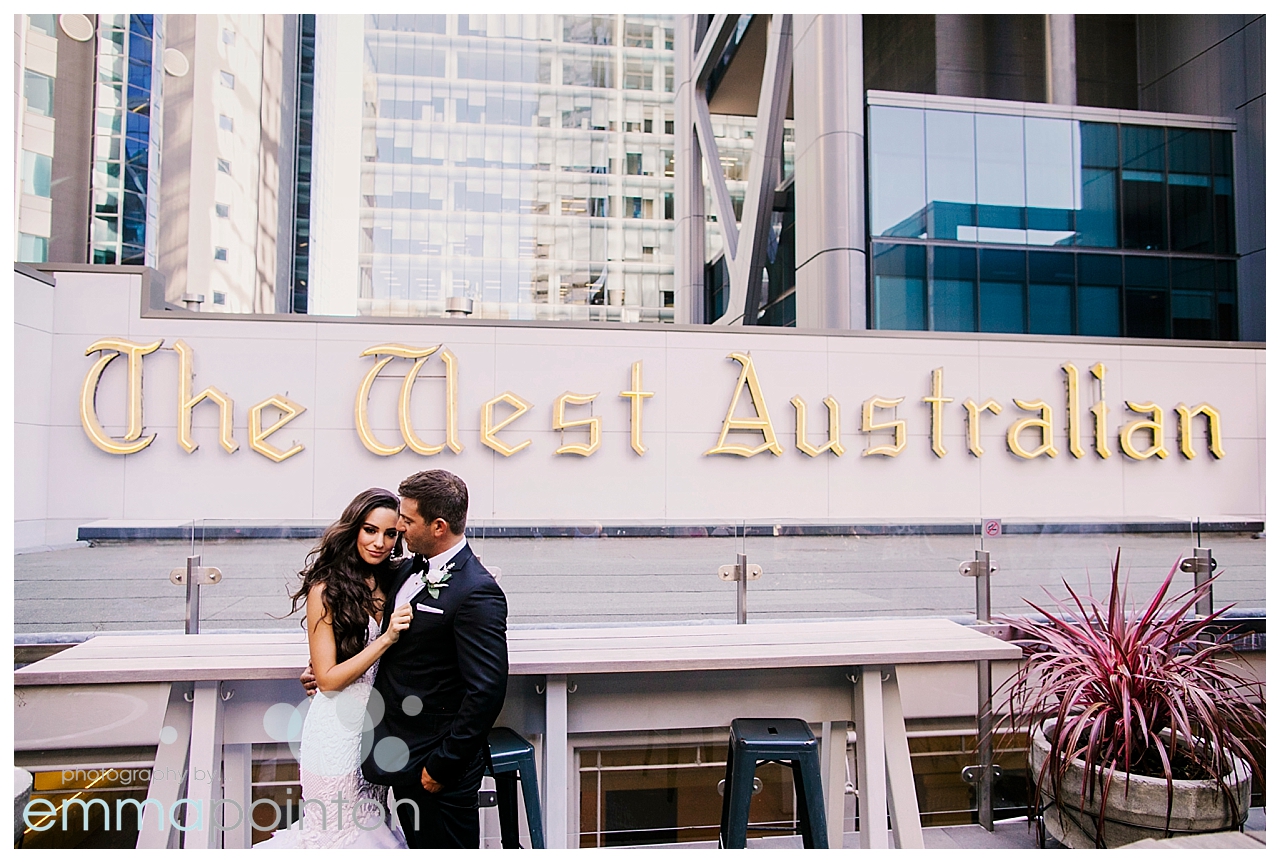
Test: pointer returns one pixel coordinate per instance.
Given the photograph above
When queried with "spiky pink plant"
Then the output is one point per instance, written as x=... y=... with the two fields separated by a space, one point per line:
x=1148 y=693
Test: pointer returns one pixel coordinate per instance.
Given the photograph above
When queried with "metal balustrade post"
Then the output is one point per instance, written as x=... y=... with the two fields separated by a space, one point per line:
x=983 y=774
x=741 y=573
x=1202 y=565
x=193 y=595
x=192 y=577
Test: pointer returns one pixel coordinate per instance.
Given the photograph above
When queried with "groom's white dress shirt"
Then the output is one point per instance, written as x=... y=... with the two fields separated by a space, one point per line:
x=416 y=582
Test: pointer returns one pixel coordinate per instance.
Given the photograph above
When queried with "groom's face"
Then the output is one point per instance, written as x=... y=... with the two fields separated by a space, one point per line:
x=422 y=537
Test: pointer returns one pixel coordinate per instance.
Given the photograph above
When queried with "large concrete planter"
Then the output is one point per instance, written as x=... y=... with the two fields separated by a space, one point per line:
x=22 y=781
x=1199 y=806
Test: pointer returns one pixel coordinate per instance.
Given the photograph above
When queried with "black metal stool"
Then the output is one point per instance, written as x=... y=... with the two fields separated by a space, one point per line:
x=786 y=741
x=511 y=760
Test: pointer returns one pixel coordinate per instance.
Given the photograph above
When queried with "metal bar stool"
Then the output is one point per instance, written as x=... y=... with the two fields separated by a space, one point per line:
x=785 y=741
x=511 y=760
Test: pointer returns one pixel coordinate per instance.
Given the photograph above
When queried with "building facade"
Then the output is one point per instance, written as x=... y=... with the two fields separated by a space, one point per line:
x=1004 y=283
x=1091 y=175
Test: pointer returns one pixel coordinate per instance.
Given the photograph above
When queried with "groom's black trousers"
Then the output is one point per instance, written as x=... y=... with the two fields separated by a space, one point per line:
x=450 y=818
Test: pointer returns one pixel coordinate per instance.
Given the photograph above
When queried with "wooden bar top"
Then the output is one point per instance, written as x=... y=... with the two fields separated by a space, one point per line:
x=602 y=650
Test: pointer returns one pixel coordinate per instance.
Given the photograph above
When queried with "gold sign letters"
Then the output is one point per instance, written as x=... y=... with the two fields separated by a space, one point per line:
x=1027 y=437
x=489 y=429
x=899 y=427
x=833 y=428
x=187 y=403
x=637 y=396
x=559 y=423
x=133 y=440
x=761 y=423
x=420 y=355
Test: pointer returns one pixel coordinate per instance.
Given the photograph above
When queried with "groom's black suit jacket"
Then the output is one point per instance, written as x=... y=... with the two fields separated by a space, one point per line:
x=453 y=659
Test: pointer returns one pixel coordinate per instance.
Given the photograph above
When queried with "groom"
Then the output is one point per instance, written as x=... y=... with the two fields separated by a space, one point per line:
x=443 y=682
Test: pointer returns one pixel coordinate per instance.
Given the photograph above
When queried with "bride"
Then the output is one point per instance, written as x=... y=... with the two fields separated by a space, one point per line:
x=343 y=589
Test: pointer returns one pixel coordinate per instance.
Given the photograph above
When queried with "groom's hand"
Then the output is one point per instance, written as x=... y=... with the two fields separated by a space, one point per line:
x=428 y=783
x=308 y=680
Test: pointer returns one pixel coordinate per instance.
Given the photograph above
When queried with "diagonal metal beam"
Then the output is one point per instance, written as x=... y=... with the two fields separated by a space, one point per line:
x=715 y=173
x=745 y=277
x=712 y=47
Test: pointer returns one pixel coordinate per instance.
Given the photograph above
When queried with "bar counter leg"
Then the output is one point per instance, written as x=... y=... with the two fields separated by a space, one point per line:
x=168 y=775
x=868 y=716
x=237 y=761
x=835 y=740
x=556 y=759
x=904 y=809
x=204 y=784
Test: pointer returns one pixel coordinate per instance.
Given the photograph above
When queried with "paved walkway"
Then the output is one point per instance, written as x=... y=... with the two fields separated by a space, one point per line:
x=125 y=586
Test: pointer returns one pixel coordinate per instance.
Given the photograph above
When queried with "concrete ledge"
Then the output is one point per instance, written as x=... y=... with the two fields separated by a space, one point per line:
x=126 y=531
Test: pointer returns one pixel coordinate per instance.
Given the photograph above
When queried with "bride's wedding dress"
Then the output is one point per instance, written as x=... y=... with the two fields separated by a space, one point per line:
x=329 y=759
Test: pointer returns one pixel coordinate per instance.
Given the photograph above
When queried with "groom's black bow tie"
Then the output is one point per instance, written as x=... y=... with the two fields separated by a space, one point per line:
x=420 y=564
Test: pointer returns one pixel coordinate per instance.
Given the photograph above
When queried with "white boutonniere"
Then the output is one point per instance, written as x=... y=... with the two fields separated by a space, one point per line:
x=437 y=580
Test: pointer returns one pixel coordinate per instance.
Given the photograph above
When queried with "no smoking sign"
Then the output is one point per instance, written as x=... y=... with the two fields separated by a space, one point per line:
x=991 y=527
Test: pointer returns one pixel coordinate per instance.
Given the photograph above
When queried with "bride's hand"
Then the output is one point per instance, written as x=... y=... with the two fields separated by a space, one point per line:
x=400 y=620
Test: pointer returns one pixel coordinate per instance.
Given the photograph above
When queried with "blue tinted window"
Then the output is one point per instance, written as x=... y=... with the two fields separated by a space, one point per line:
x=1192 y=299
x=1142 y=187
x=1146 y=297
x=1098 y=145
x=1100 y=278
x=38 y=90
x=1052 y=178
x=1002 y=302
x=45 y=24
x=1227 y=315
x=898 y=272
x=1052 y=276
x=954 y=273
x=1190 y=191
x=951 y=174
x=1224 y=213
x=897 y=172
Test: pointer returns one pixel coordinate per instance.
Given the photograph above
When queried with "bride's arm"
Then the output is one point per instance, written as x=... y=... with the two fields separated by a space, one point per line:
x=330 y=674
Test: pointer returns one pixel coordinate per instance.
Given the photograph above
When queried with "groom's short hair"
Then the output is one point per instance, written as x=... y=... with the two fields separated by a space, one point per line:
x=438 y=494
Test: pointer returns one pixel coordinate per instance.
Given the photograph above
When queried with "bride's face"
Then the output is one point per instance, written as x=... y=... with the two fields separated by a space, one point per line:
x=377 y=536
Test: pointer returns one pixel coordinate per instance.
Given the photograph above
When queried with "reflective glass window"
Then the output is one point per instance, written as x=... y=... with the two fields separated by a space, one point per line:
x=1192 y=298
x=46 y=25
x=37 y=173
x=899 y=275
x=1052 y=180
x=38 y=91
x=1143 y=186
x=1051 y=277
x=1098 y=295
x=1146 y=297
x=1227 y=314
x=1099 y=218
x=1002 y=291
x=588 y=29
x=1190 y=191
x=951 y=175
x=31 y=248
x=1001 y=178
x=897 y=172
x=953 y=277
x=1224 y=236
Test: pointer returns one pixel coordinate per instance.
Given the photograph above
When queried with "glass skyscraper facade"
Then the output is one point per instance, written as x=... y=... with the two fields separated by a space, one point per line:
x=126 y=148
x=980 y=222
x=521 y=161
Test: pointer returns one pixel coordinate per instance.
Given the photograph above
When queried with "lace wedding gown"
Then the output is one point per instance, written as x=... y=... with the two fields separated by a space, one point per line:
x=329 y=759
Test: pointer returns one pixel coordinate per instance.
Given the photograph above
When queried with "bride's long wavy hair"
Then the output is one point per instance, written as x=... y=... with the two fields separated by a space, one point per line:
x=336 y=563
